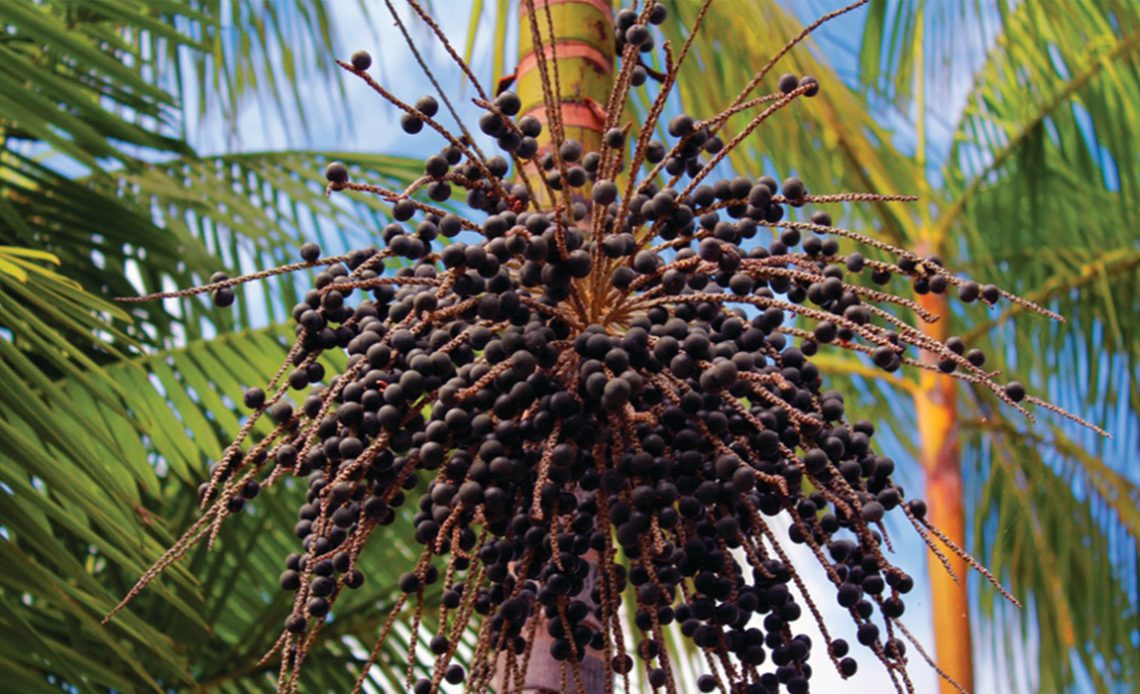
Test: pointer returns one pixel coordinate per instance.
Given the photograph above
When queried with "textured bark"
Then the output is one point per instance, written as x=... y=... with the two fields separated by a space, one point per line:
x=583 y=46
x=937 y=412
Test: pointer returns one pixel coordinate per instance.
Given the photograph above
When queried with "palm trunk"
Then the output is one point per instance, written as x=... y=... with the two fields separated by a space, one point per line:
x=582 y=48
x=937 y=413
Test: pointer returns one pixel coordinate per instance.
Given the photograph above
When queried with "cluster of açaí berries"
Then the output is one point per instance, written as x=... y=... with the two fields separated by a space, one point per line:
x=663 y=421
x=579 y=377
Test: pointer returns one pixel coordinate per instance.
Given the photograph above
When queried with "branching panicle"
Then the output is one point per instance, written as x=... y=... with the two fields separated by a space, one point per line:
x=554 y=382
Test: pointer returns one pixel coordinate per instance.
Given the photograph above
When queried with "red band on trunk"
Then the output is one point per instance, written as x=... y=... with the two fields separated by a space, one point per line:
x=565 y=49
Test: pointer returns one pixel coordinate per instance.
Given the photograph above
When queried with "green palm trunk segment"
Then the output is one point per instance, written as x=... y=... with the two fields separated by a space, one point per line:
x=579 y=61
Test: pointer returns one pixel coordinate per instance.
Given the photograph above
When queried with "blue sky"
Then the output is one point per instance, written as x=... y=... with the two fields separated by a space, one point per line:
x=368 y=124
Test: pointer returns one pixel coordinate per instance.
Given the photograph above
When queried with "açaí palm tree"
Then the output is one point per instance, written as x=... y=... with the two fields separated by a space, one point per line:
x=1056 y=177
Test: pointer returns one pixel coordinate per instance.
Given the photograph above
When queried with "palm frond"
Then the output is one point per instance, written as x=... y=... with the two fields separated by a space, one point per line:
x=245 y=212
x=1047 y=154
x=1040 y=197
x=102 y=454
x=64 y=77
x=174 y=223
x=95 y=488
x=953 y=35
x=1049 y=520
x=264 y=49
x=834 y=143
x=108 y=79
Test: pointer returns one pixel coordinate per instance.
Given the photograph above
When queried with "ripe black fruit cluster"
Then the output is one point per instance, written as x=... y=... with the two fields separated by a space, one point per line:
x=549 y=398
x=581 y=375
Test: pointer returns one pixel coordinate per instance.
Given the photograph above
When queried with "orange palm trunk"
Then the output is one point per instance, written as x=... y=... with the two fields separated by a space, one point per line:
x=937 y=413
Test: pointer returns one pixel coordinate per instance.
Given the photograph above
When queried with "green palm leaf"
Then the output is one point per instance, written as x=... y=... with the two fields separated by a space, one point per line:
x=84 y=515
x=1060 y=548
x=250 y=211
x=831 y=140
x=174 y=223
x=54 y=57
x=93 y=77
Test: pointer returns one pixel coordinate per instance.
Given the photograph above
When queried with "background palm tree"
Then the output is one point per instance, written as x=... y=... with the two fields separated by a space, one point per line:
x=1038 y=190
x=109 y=422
